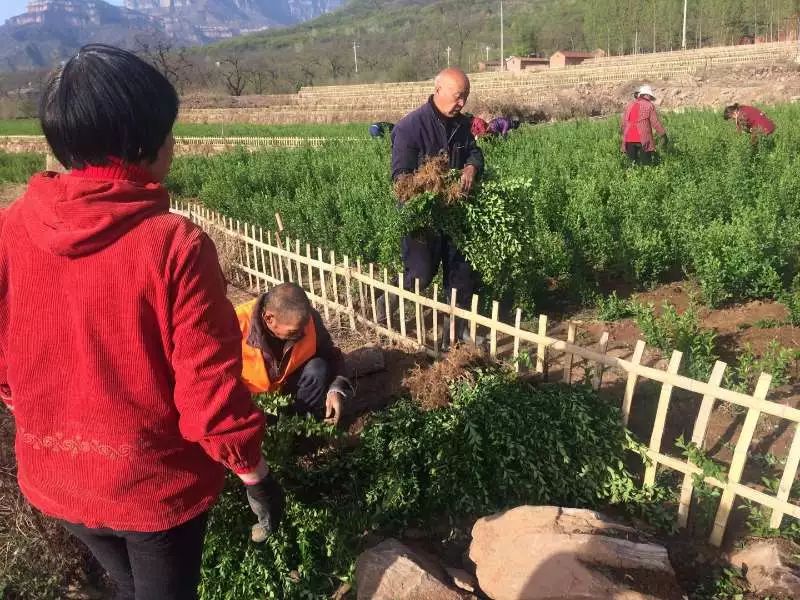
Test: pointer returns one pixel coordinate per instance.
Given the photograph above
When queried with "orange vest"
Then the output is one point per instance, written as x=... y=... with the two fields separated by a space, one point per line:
x=254 y=370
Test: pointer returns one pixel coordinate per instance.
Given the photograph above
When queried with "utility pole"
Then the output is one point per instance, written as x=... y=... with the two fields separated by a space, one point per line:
x=683 y=43
x=355 y=55
x=502 y=41
x=487 y=53
x=448 y=56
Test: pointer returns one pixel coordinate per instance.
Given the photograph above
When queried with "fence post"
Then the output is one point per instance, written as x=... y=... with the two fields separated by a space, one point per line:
x=418 y=314
x=435 y=322
x=600 y=368
x=324 y=285
x=788 y=478
x=401 y=302
x=372 y=293
x=541 y=348
x=493 y=330
x=569 y=357
x=351 y=312
x=473 y=324
x=661 y=417
x=739 y=460
x=698 y=435
x=517 y=327
x=630 y=385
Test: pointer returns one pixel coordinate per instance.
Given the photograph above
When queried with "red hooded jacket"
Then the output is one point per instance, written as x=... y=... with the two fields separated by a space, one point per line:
x=122 y=354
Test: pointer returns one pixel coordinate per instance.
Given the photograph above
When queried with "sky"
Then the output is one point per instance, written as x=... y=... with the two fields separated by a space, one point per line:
x=9 y=8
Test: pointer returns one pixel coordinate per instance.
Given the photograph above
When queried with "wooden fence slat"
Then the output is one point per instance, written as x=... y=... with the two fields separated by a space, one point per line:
x=599 y=366
x=452 y=332
x=362 y=294
x=372 y=294
x=473 y=324
x=517 y=330
x=435 y=296
x=788 y=478
x=402 y=304
x=323 y=286
x=272 y=258
x=386 y=301
x=289 y=254
x=335 y=280
x=541 y=349
x=418 y=315
x=310 y=275
x=661 y=417
x=247 y=253
x=569 y=357
x=738 y=462
x=630 y=384
x=698 y=435
x=298 y=265
x=264 y=255
x=493 y=331
x=349 y=291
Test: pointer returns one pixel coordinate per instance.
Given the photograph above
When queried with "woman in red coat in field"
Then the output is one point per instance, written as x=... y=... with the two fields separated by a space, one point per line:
x=120 y=355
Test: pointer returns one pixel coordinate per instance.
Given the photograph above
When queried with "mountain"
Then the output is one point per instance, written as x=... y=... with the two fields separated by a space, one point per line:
x=51 y=30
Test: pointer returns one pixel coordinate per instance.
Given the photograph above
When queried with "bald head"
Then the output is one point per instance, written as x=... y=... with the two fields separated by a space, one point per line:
x=451 y=90
x=286 y=311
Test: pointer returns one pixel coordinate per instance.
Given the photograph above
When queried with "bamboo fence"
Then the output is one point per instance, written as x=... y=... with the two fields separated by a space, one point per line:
x=349 y=291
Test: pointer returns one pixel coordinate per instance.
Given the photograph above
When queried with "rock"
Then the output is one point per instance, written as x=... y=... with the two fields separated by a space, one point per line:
x=392 y=571
x=767 y=570
x=462 y=579
x=549 y=553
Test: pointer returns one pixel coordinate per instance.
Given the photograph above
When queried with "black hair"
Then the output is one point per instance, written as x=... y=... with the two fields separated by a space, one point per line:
x=729 y=110
x=287 y=298
x=107 y=102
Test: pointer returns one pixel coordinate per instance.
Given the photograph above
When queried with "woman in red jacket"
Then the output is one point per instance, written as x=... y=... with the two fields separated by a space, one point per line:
x=120 y=355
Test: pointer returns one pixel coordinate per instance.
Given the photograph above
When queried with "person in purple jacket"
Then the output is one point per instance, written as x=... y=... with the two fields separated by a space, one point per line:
x=502 y=125
x=437 y=127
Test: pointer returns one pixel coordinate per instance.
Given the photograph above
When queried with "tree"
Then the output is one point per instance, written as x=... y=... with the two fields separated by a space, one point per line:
x=173 y=63
x=233 y=75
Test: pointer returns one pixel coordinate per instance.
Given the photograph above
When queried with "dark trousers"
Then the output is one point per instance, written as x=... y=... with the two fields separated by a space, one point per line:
x=421 y=257
x=638 y=155
x=309 y=387
x=163 y=565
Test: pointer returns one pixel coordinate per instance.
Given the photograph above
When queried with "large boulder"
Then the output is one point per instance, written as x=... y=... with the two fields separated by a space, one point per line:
x=767 y=569
x=392 y=571
x=552 y=553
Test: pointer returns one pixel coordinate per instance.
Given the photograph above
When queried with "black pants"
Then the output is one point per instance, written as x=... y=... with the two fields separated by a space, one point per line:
x=164 y=565
x=421 y=257
x=309 y=387
x=638 y=155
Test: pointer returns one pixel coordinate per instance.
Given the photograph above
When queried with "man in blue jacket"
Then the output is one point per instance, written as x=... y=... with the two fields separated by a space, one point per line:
x=438 y=127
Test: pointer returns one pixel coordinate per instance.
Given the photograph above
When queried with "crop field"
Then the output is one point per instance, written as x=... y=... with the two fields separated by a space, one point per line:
x=559 y=220
x=560 y=212
x=31 y=127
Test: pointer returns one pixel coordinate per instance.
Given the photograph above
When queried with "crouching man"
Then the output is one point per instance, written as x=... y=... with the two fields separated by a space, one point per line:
x=286 y=348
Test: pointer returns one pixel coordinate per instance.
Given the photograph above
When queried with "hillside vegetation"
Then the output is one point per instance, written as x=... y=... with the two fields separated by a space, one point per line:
x=408 y=39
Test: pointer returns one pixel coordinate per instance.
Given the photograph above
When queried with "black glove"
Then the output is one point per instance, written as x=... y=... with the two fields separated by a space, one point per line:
x=267 y=500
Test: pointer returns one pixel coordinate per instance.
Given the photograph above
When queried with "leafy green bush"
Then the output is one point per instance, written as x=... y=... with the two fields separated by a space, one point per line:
x=614 y=308
x=559 y=209
x=776 y=361
x=502 y=442
x=672 y=331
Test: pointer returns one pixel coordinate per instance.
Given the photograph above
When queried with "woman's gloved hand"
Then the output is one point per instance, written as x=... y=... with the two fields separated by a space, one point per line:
x=267 y=500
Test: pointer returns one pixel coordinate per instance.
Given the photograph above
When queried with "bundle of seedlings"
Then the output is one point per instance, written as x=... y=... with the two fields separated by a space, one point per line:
x=428 y=193
x=430 y=386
